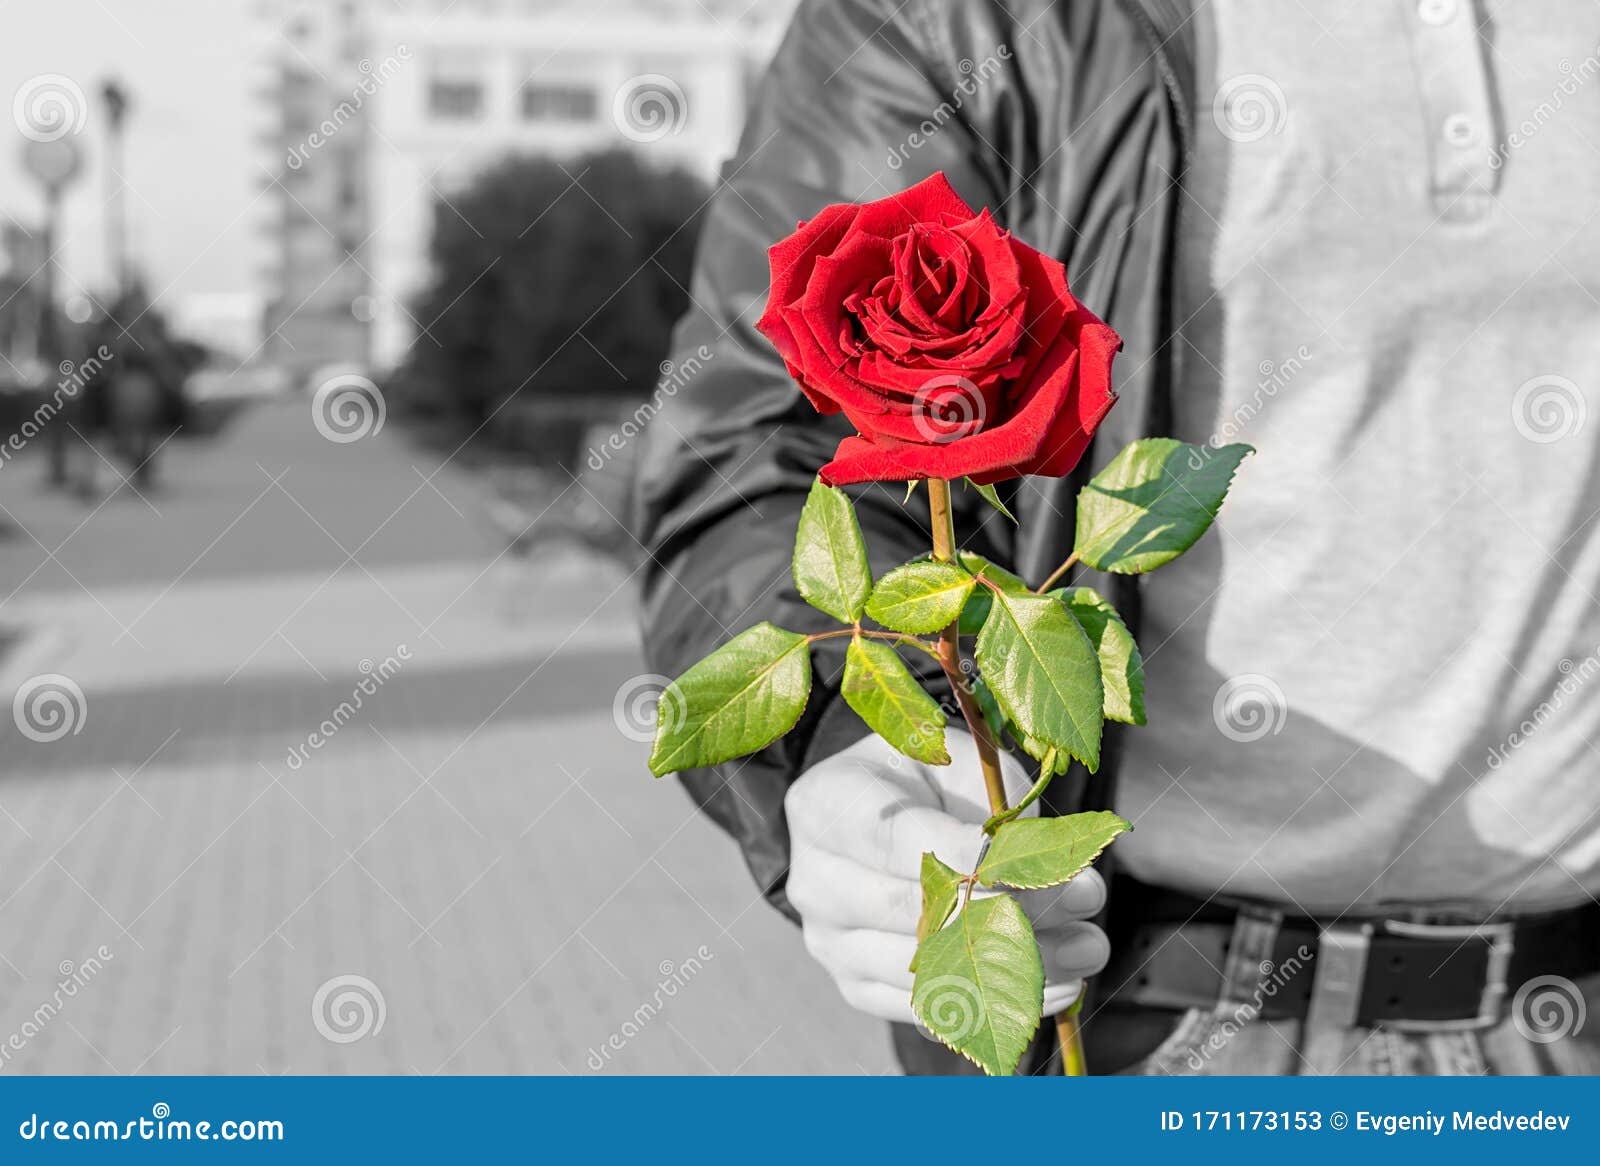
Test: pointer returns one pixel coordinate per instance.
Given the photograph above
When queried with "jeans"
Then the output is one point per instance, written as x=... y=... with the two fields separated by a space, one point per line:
x=1545 y=1030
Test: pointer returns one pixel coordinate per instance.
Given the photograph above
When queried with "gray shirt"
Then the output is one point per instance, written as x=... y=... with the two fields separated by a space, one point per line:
x=1378 y=681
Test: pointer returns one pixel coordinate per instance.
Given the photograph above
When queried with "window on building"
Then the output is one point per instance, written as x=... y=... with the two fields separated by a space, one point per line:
x=543 y=101
x=454 y=98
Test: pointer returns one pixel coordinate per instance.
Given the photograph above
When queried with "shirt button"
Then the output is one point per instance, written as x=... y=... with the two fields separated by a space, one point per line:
x=1436 y=11
x=1460 y=130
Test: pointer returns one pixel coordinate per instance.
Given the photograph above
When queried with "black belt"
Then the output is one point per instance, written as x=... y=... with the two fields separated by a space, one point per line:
x=1170 y=950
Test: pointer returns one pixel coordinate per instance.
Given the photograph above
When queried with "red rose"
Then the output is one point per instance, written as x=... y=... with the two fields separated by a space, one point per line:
x=955 y=350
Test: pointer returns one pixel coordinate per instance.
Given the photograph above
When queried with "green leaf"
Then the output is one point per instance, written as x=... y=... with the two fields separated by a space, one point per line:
x=941 y=886
x=1044 y=673
x=922 y=596
x=990 y=495
x=741 y=698
x=977 y=608
x=881 y=689
x=980 y=984
x=911 y=488
x=830 y=557
x=1121 y=668
x=1042 y=852
x=1152 y=502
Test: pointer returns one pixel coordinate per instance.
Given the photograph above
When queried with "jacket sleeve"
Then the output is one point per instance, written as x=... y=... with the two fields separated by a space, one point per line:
x=845 y=114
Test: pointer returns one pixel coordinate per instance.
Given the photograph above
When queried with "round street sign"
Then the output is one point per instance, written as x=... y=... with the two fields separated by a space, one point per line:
x=54 y=163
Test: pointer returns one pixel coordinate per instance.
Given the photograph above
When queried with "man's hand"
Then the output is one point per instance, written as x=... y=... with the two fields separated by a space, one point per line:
x=858 y=825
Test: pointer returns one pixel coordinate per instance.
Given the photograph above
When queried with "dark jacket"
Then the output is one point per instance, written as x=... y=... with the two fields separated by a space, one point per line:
x=1069 y=121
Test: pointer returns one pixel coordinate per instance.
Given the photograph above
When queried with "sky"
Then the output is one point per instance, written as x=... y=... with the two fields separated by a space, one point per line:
x=193 y=172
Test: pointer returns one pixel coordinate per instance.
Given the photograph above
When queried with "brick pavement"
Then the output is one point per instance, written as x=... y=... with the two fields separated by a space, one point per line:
x=479 y=844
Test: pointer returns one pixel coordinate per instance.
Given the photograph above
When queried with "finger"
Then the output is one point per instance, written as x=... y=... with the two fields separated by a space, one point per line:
x=1058 y=997
x=832 y=890
x=1073 y=951
x=878 y=1000
x=962 y=791
x=1082 y=898
x=858 y=954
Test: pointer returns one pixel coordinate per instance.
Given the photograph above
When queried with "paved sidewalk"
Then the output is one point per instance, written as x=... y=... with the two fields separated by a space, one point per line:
x=346 y=792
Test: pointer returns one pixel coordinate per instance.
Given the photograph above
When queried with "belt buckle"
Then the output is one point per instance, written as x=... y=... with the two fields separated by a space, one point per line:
x=1500 y=937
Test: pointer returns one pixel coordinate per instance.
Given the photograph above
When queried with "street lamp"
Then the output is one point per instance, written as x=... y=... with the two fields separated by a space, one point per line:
x=115 y=96
x=53 y=163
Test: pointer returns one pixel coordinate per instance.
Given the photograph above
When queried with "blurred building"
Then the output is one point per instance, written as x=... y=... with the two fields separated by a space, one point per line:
x=380 y=108
x=22 y=255
x=314 y=278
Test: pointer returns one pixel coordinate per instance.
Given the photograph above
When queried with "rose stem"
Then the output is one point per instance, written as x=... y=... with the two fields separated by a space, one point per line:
x=1056 y=574
x=944 y=549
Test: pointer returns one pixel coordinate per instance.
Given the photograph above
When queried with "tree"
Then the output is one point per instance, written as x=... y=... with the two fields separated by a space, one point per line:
x=554 y=285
